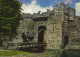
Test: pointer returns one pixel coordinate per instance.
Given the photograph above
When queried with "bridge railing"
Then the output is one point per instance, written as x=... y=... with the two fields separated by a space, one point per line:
x=37 y=44
x=27 y=44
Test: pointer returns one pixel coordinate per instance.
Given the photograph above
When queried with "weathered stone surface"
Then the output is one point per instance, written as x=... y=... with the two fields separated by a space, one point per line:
x=61 y=27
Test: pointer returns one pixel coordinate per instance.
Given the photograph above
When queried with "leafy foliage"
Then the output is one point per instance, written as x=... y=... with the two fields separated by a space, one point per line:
x=9 y=17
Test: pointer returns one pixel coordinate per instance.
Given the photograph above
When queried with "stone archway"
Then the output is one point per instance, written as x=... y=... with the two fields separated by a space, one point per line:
x=41 y=30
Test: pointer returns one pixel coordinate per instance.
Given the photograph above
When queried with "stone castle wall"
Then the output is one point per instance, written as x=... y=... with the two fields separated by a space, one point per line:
x=60 y=25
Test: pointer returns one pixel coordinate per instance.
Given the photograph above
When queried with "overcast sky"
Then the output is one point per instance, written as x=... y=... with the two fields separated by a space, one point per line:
x=33 y=6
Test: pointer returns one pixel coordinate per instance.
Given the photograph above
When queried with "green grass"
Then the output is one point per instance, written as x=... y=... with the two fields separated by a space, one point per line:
x=2 y=48
x=12 y=52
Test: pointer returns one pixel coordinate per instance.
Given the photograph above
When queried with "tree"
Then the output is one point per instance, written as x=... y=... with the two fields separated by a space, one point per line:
x=9 y=17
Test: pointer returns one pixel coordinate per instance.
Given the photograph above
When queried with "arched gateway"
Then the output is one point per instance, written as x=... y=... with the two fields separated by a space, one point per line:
x=41 y=30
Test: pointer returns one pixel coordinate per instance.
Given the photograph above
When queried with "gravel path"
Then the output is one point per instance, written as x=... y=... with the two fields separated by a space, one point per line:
x=4 y=50
x=36 y=55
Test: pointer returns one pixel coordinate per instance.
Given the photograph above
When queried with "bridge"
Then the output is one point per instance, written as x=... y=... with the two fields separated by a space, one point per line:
x=27 y=46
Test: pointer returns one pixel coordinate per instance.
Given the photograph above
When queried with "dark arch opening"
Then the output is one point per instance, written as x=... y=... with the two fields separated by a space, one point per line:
x=41 y=30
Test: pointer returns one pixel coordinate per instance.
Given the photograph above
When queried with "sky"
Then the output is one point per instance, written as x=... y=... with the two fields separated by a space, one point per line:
x=33 y=6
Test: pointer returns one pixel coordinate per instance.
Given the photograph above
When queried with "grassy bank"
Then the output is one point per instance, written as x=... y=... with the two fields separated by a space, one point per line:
x=12 y=52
